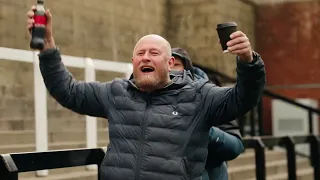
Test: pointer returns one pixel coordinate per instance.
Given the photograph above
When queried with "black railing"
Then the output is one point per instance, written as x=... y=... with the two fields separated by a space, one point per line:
x=310 y=110
x=259 y=144
x=12 y=164
x=218 y=76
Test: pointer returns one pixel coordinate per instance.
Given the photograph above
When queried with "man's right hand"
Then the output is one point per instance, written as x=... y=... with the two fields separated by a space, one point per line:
x=48 y=39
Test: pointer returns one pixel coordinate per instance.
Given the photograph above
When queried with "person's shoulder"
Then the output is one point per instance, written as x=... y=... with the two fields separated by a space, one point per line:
x=120 y=82
x=201 y=83
x=199 y=73
x=119 y=85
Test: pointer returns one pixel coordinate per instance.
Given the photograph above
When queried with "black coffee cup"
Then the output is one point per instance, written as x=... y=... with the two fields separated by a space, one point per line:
x=224 y=31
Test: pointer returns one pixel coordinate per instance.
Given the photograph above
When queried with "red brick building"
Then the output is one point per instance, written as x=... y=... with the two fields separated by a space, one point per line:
x=288 y=38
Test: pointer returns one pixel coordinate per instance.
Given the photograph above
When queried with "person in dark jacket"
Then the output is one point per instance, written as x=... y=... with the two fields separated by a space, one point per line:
x=158 y=122
x=222 y=146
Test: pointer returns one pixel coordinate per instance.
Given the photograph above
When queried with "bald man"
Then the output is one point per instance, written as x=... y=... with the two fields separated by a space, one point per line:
x=158 y=123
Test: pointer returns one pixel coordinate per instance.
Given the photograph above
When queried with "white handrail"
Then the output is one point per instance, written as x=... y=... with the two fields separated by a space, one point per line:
x=16 y=55
x=40 y=97
x=69 y=61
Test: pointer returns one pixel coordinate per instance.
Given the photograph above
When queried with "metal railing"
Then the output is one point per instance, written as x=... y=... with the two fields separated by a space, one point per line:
x=259 y=144
x=13 y=164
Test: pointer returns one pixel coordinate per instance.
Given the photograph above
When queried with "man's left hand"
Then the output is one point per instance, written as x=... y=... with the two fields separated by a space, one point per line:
x=240 y=45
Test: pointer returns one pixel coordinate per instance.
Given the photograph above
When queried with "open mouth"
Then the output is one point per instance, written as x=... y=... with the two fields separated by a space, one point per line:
x=147 y=69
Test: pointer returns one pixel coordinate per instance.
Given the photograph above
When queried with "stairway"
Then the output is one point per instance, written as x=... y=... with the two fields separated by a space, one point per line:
x=243 y=168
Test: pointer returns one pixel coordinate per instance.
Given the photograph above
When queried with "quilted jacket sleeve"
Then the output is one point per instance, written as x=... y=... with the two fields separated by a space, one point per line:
x=80 y=97
x=228 y=103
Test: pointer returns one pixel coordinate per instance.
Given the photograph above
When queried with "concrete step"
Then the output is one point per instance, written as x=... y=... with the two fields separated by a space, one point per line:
x=28 y=136
x=53 y=124
x=56 y=113
x=249 y=157
x=69 y=175
x=60 y=171
x=273 y=167
x=15 y=148
x=67 y=124
x=16 y=124
x=25 y=108
x=302 y=174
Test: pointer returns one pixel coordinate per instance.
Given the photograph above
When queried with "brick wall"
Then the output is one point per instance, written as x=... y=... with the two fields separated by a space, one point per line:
x=287 y=37
x=193 y=27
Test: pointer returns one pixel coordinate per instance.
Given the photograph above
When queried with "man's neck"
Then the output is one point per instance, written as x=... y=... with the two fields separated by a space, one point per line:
x=157 y=87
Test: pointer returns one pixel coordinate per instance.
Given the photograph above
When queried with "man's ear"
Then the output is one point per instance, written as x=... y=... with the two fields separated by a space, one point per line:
x=171 y=62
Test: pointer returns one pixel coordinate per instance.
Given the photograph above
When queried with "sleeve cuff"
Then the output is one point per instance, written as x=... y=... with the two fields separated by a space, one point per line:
x=256 y=60
x=48 y=54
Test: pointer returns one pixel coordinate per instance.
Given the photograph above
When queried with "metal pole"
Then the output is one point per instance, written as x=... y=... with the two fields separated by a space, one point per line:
x=260 y=117
x=40 y=109
x=91 y=122
x=260 y=160
x=310 y=122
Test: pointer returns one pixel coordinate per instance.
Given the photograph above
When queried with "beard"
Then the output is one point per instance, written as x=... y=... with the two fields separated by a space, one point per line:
x=150 y=81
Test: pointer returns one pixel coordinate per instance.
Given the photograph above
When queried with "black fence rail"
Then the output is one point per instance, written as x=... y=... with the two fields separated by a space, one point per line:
x=310 y=110
x=13 y=164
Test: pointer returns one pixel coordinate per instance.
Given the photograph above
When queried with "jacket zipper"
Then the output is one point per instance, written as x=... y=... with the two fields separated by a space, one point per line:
x=142 y=140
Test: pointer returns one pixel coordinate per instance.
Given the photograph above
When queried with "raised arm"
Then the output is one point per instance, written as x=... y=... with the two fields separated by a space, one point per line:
x=226 y=104
x=81 y=97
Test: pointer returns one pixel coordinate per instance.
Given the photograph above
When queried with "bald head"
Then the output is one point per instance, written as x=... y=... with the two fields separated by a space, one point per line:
x=152 y=62
x=154 y=39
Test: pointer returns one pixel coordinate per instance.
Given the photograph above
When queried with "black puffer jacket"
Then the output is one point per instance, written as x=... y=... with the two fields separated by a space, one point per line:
x=231 y=127
x=161 y=135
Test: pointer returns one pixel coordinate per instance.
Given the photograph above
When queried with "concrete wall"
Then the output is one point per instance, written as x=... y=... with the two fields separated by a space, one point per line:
x=97 y=28
x=193 y=27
